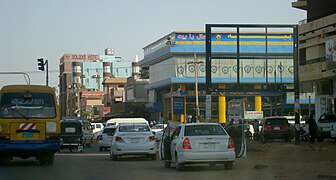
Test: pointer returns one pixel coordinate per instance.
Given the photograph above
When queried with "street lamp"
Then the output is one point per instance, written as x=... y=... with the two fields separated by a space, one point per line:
x=196 y=62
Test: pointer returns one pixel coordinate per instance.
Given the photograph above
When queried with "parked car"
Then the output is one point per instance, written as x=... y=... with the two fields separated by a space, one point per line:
x=133 y=139
x=97 y=129
x=105 y=139
x=275 y=128
x=324 y=126
x=75 y=134
x=197 y=143
x=158 y=130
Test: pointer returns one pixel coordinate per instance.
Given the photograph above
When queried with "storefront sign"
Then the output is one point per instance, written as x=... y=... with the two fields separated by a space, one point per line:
x=178 y=105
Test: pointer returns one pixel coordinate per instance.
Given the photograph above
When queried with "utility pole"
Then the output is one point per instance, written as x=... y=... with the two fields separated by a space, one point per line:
x=296 y=86
x=196 y=62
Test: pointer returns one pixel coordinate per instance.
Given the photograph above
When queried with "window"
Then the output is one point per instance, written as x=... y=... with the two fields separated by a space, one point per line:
x=27 y=105
x=203 y=130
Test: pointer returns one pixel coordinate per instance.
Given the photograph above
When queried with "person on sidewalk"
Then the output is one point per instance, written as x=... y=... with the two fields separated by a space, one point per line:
x=312 y=128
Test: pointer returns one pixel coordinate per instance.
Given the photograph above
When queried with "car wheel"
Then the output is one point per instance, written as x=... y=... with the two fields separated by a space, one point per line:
x=166 y=164
x=113 y=157
x=228 y=165
x=178 y=166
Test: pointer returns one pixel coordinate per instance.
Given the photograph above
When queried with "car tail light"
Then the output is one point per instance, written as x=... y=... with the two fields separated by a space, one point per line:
x=231 y=143
x=151 y=138
x=186 y=144
x=267 y=128
x=119 y=139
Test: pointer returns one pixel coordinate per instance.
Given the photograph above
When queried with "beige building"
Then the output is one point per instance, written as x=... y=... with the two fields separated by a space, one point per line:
x=317 y=52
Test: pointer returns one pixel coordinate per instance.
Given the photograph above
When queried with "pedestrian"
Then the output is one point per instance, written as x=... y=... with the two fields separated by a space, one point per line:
x=312 y=128
x=256 y=130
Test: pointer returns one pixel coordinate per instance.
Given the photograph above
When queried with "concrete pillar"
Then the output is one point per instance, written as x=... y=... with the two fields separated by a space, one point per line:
x=221 y=106
x=257 y=99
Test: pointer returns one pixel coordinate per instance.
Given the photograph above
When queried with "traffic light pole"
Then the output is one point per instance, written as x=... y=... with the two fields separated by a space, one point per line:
x=47 y=72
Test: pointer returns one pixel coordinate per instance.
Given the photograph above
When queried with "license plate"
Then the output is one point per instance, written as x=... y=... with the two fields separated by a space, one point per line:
x=134 y=140
x=27 y=134
x=277 y=128
x=209 y=146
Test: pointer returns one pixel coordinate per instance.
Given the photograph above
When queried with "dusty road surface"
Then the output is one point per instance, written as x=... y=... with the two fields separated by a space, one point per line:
x=273 y=160
x=285 y=160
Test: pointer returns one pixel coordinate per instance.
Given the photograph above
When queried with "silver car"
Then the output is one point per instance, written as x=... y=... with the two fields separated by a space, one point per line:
x=198 y=143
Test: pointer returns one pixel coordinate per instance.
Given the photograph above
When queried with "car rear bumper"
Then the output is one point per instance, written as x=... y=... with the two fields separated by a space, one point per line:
x=134 y=149
x=199 y=157
x=277 y=135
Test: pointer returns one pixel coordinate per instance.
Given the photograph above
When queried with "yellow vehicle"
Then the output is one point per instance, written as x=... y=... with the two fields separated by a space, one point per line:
x=29 y=123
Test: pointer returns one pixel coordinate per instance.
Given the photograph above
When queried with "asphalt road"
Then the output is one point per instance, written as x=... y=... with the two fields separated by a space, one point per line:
x=274 y=160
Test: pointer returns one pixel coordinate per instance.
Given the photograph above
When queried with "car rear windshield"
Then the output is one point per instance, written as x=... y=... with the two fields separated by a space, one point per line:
x=276 y=121
x=134 y=128
x=204 y=130
x=328 y=118
x=109 y=131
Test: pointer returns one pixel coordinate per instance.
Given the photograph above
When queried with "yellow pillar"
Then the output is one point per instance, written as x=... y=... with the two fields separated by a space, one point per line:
x=257 y=99
x=182 y=120
x=222 y=108
x=221 y=105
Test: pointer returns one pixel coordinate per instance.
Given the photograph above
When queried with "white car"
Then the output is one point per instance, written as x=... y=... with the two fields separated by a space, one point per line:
x=198 y=143
x=325 y=125
x=158 y=130
x=105 y=139
x=133 y=139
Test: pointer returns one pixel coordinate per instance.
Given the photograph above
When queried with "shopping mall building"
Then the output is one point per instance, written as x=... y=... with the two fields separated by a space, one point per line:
x=265 y=74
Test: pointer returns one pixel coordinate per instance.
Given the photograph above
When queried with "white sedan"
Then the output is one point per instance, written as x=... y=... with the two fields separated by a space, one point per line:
x=198 y=143
x=133 y=139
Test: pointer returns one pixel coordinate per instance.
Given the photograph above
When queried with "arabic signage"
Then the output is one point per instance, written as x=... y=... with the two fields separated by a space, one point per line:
x=178 y=105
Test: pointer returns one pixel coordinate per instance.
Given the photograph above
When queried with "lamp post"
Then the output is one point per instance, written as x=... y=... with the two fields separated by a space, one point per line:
x=196 y=62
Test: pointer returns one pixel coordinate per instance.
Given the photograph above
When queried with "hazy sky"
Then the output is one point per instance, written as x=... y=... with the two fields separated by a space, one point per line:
x=30 y=29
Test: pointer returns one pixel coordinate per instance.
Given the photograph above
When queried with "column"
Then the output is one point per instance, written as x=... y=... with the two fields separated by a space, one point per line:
x=222 y=105
x=257 y=99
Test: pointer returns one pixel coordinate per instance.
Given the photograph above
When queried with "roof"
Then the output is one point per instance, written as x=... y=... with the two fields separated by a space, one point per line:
x=108 y=81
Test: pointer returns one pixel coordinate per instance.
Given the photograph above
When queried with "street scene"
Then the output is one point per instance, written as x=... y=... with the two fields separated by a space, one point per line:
x=148 y=90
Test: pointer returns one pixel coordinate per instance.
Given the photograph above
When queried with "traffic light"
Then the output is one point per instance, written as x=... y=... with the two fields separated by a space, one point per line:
x=40 y=64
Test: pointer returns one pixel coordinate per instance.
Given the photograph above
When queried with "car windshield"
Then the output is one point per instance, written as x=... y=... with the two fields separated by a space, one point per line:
x=204 y=130
x=27 y=105
x=109 y=131
x=276 y=121
x=134 y=128
x=158 y=126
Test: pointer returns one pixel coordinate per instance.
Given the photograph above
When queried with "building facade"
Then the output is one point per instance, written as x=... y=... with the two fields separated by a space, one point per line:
x=317 y=52
x=86 y=72
x=266 y=66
